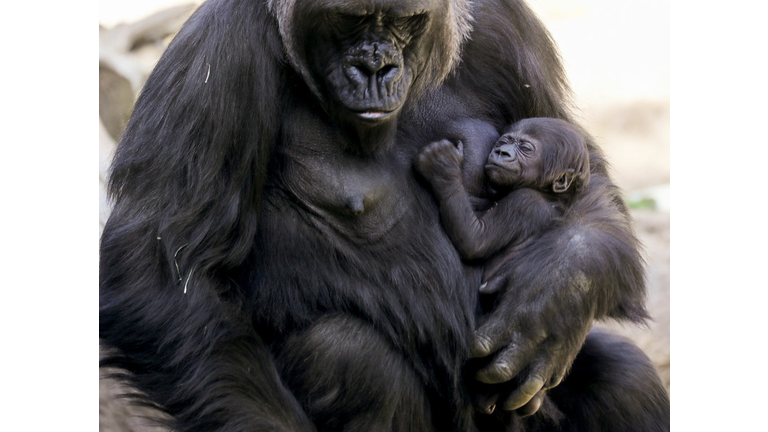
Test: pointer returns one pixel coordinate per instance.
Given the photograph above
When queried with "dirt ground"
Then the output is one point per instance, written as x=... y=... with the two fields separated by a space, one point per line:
x=619 y=71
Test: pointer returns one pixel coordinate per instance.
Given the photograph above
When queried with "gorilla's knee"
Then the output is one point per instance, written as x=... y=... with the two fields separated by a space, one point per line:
x=612 y=386
x=348 y=377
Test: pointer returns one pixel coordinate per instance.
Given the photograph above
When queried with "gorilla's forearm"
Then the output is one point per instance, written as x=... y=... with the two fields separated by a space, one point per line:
x=588 y=268
x=602 y=245
x=592 y=262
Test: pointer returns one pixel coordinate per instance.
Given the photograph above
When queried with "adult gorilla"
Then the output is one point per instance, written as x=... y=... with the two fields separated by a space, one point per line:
x=272 y=262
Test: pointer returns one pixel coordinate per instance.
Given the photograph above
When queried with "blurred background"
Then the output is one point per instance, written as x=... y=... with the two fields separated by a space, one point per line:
x=616 y=53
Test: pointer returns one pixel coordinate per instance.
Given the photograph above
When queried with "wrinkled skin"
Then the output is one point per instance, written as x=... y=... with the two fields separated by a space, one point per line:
x=363 y=59
x=514 y=161
x=362 y=68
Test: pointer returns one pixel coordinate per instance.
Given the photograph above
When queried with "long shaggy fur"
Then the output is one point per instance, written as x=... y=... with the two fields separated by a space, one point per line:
x=186 y=183
x=177 y=281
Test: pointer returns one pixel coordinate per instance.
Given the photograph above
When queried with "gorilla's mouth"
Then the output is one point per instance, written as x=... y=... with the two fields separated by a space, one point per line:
x=369 y=99
x=372 y=108
x=494 y=166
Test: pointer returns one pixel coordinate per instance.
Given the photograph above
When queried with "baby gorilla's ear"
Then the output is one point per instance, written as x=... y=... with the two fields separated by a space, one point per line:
x=562 y=183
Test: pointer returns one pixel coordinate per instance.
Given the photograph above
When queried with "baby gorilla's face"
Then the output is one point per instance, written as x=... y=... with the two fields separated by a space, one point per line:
x=514 y=161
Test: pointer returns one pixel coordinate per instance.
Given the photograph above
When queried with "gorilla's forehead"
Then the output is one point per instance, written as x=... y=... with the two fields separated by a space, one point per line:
x=369 y=7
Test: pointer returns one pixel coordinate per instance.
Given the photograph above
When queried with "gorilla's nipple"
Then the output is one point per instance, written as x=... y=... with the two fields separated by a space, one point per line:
x=355 y=204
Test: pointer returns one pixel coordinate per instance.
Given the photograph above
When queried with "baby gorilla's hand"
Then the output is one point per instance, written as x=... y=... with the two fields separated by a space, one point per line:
x=440 y=161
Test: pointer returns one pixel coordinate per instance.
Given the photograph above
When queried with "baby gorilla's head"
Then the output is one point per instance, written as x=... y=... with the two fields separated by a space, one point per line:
x=546 y=154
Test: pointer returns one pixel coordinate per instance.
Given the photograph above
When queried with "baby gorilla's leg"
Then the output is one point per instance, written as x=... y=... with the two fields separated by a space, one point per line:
x=348 y=378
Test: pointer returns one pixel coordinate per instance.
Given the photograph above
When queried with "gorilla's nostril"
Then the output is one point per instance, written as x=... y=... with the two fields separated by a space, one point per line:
x=387 y=70
x=357 y=73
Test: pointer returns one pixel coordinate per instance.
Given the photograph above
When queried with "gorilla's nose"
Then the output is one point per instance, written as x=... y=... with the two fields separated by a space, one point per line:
x=372 y=67
x=505 y=152
x=374 y=60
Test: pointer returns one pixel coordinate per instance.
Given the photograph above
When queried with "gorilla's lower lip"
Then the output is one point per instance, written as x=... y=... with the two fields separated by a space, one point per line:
x=374 y=115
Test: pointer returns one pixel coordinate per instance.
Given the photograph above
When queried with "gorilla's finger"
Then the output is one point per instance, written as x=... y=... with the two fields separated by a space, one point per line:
x=493 y=286
x=491 y=336
x=555 y=380
x=505 y=366
x=531 y=407
x=523 y=394
x=486 y=404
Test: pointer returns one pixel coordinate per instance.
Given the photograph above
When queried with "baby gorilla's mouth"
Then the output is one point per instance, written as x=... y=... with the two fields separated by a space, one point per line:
x=494 y=166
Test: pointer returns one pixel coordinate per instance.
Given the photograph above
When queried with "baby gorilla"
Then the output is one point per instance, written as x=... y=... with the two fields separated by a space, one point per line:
x=534 y=170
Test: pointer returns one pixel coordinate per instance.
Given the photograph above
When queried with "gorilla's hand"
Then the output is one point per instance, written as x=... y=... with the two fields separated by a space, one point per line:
x=531 y=337
x=440 y=162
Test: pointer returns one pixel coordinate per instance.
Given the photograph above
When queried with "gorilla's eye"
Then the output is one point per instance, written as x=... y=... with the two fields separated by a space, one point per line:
x=526 y=147
x=348 y=20
x=412 y=25
x=347 y=24
x=400 y=22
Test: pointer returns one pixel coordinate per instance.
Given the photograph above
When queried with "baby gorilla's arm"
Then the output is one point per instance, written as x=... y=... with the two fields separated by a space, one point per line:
x=521 y=213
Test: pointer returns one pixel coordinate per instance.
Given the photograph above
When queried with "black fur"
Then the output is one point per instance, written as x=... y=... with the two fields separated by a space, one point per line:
x=257 y=242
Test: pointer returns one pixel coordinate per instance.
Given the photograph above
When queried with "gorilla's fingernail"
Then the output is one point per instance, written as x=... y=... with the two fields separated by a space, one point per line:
x=483 y=285
x=533 y=385
x=490 y=409
x=481 y=347
x=499 y=373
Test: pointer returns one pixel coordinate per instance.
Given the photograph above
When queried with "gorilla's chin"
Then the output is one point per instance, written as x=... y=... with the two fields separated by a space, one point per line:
x=500 y=176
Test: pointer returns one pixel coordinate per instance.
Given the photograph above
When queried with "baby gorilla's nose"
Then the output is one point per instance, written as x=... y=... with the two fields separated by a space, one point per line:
x=505 y=152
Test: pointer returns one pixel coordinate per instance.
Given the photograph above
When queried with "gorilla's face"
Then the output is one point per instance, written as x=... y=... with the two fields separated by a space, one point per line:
x=515 y=160
x=364 y=58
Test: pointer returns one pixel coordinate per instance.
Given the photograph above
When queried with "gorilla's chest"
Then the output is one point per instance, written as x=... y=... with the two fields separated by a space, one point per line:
x=358 y=196
x=344 y=231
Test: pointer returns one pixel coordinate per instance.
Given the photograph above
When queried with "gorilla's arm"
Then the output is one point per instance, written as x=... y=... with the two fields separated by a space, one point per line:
x=590 y=267
x=192 y=353
x=186 y=179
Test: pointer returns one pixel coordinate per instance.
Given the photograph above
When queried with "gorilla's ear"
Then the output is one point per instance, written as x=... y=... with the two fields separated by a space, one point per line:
x=562 y=183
